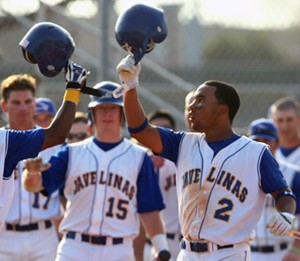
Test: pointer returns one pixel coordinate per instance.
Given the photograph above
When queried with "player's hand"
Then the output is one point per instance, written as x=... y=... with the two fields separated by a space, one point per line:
x=280 y=223
x=35 y=166
x=75 y=76
x=129 y=75
x=163 y=255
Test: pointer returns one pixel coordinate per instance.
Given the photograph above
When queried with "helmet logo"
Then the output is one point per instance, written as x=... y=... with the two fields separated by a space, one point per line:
x=50 y=67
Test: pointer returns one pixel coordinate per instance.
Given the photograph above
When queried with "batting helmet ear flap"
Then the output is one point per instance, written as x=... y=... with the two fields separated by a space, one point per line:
x=139 y=28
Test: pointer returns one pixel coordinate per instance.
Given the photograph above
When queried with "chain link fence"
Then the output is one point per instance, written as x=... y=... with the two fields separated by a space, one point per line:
x=263 y=64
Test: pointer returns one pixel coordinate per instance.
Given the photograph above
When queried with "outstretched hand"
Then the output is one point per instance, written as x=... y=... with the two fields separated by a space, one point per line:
x=36 y=165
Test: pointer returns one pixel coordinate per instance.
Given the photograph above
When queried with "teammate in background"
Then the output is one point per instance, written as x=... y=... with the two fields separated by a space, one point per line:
x=29 y=215
x=285 y=113
x=188 y=100
x=109 y=182
x=78 y=131
x=266 y=246
x=222 y=178
x=90 y=125
x=44 y=112
x=166 y=172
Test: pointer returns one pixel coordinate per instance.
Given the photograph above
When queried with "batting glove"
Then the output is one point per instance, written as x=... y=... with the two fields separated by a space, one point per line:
x=129 y=75
x=75 y=76
x=280 y=223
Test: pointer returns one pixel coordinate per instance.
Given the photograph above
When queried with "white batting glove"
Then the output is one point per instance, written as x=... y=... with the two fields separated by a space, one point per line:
x=128 y=74
x=280 y=223
x=75 y=76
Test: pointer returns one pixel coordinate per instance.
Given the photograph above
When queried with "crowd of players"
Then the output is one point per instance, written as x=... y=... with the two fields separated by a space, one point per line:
x=56 y=221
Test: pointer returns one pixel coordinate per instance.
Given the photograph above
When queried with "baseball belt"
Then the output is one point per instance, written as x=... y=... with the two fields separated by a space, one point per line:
x=29 y=227
x=269 y=249
x=97 y=240
x=200 y=247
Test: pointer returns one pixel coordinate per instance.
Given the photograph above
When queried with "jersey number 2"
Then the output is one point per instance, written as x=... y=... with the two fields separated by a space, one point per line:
x=222 y=213
x=121 y=206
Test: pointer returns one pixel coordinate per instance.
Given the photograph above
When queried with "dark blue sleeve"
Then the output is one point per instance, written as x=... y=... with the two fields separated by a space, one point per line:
x=149 y=197
x=22 y=145
x=54 y=178
x=296 y=189
x=170 y=141
x=271 y=177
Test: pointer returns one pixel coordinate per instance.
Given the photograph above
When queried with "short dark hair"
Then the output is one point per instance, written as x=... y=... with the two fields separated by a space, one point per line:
x=162 y=113
x=226 y=94
x=18 y=82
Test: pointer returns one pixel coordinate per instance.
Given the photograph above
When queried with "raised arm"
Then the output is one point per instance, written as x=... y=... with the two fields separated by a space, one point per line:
x=138 y=126
x=57 y=132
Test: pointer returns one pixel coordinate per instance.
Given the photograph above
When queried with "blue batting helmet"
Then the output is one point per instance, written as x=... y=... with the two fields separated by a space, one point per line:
x=106 y=88
x=262 y=128
x=49 y=45
x=139 y=28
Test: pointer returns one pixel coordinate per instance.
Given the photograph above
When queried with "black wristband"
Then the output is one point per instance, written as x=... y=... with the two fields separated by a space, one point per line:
x=285 y=193
x=73 y=85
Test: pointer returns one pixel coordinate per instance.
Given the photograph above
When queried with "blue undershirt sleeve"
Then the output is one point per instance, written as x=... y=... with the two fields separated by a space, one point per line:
x=271 y=177
x=170 y=141
x=296 y=189
x=149 y=197
x=22 y=145
x=54 y=178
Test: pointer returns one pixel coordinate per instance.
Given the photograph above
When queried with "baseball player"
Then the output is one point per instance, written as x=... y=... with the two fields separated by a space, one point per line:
x=44 y=112
x=166 y=172
x=265 y=245
x=31 y=216
x=187 y=101
x=285 y=113
x=19 y=145
x=222 y=177
x=78 y=131
x=107 y=181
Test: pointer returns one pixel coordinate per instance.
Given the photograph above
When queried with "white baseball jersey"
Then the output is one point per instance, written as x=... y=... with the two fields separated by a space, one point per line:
x=220 y=193
x=229 y=190
x=14 y=146
x=293 y=157
x=167 y=184
x=102 y=188
x=30 y=207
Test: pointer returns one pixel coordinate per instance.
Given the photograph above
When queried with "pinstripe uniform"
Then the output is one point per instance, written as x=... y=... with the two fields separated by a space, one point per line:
x=219 y=186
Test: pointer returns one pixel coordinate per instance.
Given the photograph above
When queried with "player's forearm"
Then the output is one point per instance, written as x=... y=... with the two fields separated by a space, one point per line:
x=285 y=204
x=152 y=223
x=135 y=115
x=32 y=181
x=57 y=132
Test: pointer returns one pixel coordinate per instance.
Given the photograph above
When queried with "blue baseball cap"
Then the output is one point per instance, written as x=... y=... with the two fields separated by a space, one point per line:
x=262 y=128
x=44 y=105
